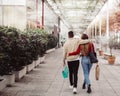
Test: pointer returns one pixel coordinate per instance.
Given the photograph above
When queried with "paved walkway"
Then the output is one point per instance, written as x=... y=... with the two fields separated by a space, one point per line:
x=46 y=80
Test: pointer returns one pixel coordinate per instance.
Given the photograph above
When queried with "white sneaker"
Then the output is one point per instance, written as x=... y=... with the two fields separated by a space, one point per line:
x=70 y=87
x=74 y=90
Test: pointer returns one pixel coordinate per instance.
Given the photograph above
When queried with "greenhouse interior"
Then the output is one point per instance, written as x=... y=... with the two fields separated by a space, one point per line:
x=33 y=35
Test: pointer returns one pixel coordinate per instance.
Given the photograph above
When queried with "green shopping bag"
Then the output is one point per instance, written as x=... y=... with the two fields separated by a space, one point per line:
x=65 y=72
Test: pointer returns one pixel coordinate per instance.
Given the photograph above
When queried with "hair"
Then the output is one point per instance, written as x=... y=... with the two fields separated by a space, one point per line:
x=70 y=34
x=84 y=36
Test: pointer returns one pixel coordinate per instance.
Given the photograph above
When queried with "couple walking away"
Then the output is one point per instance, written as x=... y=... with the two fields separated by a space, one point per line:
x=73 y=48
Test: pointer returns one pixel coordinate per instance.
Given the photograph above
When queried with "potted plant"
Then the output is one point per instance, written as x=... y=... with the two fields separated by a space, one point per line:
x=102 y=43
x=101 y=52
x=111 y=57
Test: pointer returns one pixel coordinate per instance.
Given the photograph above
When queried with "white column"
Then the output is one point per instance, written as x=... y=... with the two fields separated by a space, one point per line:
x=100 y=32
x=107 y=26
x=95 y=30
x=91 y=31
x=100 y=27
x=2 y=13
x=107 y=22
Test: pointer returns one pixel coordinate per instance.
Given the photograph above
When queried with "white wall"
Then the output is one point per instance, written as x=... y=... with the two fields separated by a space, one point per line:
x=13 y=2
x=13 y=13
x=0 y=15
x=14 y=16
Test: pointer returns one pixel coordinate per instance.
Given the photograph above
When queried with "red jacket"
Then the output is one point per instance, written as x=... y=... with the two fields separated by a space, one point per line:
x=91 y=48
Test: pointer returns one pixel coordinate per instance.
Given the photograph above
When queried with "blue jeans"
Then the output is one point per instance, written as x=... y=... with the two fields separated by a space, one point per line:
x=86 y=65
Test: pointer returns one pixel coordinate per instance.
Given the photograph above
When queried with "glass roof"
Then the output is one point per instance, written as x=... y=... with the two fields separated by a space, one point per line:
x=77 y=13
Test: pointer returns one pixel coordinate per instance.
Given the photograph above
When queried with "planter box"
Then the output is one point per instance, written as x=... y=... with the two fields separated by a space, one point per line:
x=30 y=67
x=10 y=79
x=20 y=74
x=42 y=59
x=37 y=62
x=50 y=50
x=34 y=63
x=2 y=83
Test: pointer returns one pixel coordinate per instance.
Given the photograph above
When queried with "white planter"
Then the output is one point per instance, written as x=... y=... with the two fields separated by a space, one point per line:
x=34 y=63
x=10 y=79
x=50 y=50
x=2 y=83
x=30 y=67
x=20 y=74
x=37 y=62
x=42 y=59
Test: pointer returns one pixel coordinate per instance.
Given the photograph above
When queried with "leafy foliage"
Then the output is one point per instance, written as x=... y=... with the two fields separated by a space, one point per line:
x=18 y=48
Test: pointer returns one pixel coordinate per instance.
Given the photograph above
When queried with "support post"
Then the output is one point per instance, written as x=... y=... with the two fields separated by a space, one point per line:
x=43 y=14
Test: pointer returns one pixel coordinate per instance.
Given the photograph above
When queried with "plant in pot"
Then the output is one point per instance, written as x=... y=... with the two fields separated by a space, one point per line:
x=5 y=66
x=42 y=41
x=101 y=52
x=111 y=57
x=102 y=42
x=6 y=69
x=52 y=41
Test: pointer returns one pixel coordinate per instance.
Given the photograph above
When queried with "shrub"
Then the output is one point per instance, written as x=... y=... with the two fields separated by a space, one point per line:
x=20 y=48
x=52 y=41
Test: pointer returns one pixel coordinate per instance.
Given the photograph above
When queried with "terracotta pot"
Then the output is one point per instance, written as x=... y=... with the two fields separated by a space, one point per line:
x=111 y=60
x=106 y=56
x=101 y=52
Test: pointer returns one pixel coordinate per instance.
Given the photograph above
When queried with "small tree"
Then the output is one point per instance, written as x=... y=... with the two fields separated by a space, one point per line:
x=111 y=45
x=111 y=58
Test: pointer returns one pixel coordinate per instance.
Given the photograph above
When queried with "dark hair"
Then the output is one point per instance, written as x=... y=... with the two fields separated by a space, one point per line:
x=70 y=34
x=84 y=36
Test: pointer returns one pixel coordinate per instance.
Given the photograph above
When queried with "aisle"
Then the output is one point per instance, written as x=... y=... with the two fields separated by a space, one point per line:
x=46 y=80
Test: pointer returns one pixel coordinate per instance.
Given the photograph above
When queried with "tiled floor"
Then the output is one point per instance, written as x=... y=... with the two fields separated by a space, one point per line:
x=46 y=79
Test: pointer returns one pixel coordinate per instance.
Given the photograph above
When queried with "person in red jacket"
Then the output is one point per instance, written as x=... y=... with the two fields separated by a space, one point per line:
x=71 y=45
x=83 y=50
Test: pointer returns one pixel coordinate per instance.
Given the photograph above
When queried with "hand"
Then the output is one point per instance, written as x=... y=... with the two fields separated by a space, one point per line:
x=64 y=63
x=97 y=63
x=69 y=54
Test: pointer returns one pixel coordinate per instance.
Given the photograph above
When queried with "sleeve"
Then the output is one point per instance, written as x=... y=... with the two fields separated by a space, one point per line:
x=64 y=51
x=84 y=41
x=75 y=52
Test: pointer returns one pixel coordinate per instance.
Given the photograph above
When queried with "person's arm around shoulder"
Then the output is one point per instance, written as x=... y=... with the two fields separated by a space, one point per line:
x=81 y=41
x=75 y=52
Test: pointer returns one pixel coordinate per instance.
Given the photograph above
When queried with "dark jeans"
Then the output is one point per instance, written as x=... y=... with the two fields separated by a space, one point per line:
x=73 y=72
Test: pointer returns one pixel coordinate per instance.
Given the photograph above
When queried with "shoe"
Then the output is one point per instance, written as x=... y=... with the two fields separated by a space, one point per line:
x=89 y=89
x=74 y=90
x=70 y=87
x=84 y=87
